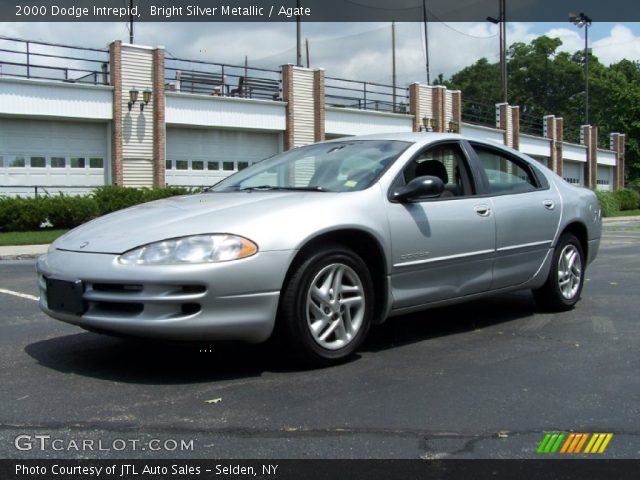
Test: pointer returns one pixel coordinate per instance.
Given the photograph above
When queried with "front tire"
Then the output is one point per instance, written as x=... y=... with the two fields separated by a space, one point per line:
x=562 y=289
x=327 y=305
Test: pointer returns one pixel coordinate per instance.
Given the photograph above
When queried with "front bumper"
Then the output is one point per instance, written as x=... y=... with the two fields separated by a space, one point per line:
x=593 y=248
x=236 y=300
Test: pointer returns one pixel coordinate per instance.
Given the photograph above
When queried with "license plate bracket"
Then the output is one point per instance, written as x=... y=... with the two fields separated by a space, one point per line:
x=66 y=296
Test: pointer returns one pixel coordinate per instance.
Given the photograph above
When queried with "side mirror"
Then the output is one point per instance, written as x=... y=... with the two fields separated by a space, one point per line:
x=418 y=188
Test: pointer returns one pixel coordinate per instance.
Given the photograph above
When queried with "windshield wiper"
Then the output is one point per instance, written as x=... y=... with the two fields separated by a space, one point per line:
x=314 y=188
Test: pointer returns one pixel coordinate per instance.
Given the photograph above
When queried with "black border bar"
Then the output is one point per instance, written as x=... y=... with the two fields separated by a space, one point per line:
x=314 y=10
x=592 y=469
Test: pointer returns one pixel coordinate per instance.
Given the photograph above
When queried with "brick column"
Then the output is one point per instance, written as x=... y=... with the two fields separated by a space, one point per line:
x=115 y=67
x=593 y=156
x=301 y=88
x=515 y=127
x=550 y=131
x=414 y=106
x=319 y=105
x=504 y=122
x=559 y=141
x=438 y=103
x=617 y=145
x=456 y=109
x=287 y=96
x=590 y=139
x=431 y=102
x=159 y=125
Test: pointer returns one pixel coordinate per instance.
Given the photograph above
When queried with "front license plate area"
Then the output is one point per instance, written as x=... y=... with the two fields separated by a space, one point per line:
x=65 y=296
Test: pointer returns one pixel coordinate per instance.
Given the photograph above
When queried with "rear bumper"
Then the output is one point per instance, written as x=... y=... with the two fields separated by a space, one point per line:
x=235 y=300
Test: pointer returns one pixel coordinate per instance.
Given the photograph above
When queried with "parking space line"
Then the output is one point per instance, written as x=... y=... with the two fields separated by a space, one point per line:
x=18 y=294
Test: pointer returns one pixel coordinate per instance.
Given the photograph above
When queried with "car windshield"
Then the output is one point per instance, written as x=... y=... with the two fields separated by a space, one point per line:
x=324 y=167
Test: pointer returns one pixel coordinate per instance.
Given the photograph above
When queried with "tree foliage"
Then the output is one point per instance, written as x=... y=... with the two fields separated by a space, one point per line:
x=545 y=81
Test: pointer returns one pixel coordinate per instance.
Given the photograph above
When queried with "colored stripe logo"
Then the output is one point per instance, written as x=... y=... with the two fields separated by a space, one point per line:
x=573 y=443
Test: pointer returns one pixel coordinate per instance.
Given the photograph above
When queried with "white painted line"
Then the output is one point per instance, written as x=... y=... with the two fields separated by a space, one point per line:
x=18 y=294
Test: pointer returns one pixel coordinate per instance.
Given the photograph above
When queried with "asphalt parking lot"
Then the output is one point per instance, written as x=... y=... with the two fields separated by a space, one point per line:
x=481 y=380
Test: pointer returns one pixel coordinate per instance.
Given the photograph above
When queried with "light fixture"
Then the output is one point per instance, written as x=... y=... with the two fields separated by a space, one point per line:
x=133 y=97
x=146 y=98
x=429 y=124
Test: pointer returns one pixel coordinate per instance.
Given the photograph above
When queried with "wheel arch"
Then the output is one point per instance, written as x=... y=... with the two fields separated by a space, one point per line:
x=579 y=230
x=367 y=246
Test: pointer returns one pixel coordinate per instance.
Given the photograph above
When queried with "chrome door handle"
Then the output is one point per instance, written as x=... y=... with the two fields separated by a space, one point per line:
x=483 y=210
x=549 y=205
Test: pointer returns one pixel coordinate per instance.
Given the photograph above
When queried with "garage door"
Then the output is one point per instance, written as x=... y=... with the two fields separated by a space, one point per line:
x=204 y=157
x=572 y=172
x=51 y=154
x=605 y=177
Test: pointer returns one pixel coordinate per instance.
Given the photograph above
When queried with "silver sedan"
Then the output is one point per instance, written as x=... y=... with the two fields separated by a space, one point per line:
x=321 y=242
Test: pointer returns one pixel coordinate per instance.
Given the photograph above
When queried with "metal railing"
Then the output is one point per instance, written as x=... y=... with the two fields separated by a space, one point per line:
x=51 y=61
x=478 y=113
x=531 y=124
x=340 y=92
x=208 y=78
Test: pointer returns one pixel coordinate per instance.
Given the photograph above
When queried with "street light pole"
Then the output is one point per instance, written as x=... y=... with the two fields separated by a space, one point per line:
x=586 y=72
x=582 y=20
x=298 y=37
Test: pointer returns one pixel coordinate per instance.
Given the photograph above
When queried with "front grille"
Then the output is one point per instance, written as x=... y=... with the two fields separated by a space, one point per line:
x=140 y=300
x=118 y=307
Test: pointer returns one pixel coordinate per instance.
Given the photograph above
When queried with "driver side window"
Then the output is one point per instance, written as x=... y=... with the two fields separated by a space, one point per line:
x=445 y=162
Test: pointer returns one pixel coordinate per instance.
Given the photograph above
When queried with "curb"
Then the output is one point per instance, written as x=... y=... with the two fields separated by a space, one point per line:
x=22 y=252
x=26 y=256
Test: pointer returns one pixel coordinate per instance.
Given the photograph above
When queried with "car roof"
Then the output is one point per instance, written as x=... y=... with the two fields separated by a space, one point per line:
x=425 y=138
x=414 y=137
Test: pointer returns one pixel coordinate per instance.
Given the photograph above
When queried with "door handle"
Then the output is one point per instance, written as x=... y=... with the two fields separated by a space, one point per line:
x=483 y=210
x=549 y=205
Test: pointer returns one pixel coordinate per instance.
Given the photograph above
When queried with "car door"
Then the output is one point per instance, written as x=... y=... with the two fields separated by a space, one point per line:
x=442 y=247
x=526 y=210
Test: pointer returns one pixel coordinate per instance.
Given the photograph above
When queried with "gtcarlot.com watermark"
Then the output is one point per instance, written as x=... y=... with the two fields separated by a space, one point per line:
x=48 y=443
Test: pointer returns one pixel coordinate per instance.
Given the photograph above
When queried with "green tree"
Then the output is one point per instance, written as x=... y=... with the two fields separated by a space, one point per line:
x=543 y=81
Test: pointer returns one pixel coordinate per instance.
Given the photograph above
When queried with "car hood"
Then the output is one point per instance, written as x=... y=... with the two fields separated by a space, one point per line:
x=240 y=213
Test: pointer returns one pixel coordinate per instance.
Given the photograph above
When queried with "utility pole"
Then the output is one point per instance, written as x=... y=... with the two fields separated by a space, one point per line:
x=503 y=51
x=298 y=39
x=131 y=22
x=393 y=63
x=426 y=39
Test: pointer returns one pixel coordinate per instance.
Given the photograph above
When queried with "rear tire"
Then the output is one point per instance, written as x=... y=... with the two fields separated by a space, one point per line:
x=327 y=305
x=562 y=289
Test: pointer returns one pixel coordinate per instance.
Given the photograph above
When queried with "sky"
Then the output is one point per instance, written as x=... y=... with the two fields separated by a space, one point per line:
x=358 y=51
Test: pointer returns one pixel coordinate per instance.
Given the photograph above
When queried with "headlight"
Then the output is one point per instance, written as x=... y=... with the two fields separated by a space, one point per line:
x=194 y=249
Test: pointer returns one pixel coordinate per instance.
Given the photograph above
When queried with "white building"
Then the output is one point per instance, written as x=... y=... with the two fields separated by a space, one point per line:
x=69 y=120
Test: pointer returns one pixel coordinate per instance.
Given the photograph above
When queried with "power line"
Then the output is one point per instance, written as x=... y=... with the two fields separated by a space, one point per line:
x=483 y=37
x=370 y=7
